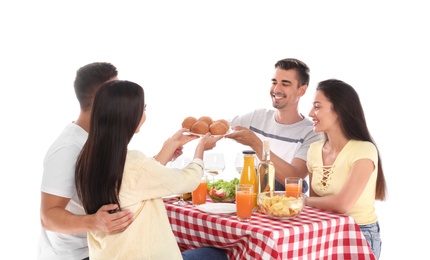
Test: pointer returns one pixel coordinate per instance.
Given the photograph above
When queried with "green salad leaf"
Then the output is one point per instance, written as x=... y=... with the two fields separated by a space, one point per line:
x=223 y=190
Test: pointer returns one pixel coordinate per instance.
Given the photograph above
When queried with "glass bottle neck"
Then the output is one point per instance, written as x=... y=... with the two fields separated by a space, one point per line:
x=265 y=156
x=248 y=159
x=266 y=151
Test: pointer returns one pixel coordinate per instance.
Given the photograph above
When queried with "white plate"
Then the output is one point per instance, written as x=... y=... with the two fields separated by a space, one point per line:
x=218 y=208
x=191 y=133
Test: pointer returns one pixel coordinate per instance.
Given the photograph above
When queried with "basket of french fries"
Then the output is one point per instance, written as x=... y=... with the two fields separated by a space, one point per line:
x=276 y=204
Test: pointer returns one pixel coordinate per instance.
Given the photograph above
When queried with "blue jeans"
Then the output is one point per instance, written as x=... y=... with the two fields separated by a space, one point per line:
x=372 y=235
x=206 y=253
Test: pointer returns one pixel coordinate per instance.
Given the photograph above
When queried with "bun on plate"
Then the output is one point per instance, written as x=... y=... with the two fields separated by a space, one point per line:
x=218 y=128
x=200 y=127
x=225 y=122
x=189 y=122
x=206 y=119
x=206 y=124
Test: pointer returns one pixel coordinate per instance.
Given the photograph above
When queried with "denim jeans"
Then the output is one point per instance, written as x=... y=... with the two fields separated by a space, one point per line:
x=372 y=235
x=206 y=253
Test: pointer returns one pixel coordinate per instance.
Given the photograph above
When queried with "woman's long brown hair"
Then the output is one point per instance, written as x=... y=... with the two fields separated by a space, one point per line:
x=346 y=103
x=116 y=113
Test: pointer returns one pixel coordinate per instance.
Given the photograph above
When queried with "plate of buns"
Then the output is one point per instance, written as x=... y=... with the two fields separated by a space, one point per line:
x=202 y=125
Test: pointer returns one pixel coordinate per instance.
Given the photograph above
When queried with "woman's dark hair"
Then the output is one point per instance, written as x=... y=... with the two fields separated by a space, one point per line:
x=117 y=111
x=346 y=103
x=295 y=64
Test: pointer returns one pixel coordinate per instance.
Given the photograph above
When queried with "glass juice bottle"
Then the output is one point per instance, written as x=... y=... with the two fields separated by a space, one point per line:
x=266 y=170
x=249 y=174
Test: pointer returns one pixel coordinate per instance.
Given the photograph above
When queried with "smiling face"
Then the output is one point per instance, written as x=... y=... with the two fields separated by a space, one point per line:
x=322 y=114
x=285 y=90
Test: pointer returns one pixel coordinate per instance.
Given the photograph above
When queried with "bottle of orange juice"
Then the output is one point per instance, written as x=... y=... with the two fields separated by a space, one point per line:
x=249 y=174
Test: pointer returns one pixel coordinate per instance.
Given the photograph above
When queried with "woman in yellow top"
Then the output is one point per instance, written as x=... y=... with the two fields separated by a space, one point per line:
x=107 y=172
x=345 y=169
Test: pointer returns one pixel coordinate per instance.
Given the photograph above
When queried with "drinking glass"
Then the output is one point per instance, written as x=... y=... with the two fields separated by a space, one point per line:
x=293 y=186
x=180 y=163
x=244 y=201
x=214 y=163
x=238 y=163
x=199 y=194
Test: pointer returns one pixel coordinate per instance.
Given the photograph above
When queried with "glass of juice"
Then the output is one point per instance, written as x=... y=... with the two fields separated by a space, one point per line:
x=199 y=194
x=293 y=186
x=244 y=201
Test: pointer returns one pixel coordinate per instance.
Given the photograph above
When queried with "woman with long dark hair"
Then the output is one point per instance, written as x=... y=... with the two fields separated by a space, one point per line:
x=108 y=173
x=346 y=172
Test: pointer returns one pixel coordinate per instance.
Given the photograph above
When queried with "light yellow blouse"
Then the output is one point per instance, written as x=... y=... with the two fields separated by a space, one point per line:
x=150 y=236
x=329 y=179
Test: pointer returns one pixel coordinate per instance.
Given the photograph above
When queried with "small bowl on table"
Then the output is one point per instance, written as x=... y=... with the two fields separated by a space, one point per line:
x=276 y=204
x=226 y=200
x=221 y=198
x=223 y=191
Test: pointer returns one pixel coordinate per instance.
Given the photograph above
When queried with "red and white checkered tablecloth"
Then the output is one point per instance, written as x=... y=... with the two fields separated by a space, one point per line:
x=314 y=234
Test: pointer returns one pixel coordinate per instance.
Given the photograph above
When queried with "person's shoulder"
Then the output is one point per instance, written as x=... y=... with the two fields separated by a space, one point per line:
x=252 y=117
x=306 y=122
x=137 y=155
x=308 y=126
x=73 y=131
x=135 y=160
x=317 y=144
x=264 y=111
x=253 y=114
x=363 y=145
x=71 y=136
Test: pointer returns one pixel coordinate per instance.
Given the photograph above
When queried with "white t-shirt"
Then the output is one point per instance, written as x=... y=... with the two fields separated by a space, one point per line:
x=287 y=141
x=59 y=179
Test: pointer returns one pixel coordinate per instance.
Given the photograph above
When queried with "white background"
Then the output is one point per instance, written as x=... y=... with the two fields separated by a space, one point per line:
x=214 y=58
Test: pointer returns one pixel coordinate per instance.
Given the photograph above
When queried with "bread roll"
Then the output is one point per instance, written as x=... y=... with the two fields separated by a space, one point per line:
x=189 y=122
x=200 y=127
x=225 y=122
x=218 y=128
x=206 y=119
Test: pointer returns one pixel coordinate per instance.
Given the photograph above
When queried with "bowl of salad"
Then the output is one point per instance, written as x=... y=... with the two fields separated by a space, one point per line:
x=222 y=190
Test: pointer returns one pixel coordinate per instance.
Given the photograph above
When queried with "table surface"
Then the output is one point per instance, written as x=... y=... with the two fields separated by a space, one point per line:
x=314 y=234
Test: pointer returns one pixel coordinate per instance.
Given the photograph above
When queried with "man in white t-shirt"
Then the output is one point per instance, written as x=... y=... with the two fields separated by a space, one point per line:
x=289 y=132
x=64 y=222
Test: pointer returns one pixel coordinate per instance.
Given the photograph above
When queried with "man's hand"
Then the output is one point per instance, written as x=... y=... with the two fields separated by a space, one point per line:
x=55 y=217
x=112 y=223
x=244 y=136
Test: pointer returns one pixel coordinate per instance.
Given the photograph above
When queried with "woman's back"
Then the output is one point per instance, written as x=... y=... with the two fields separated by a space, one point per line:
x=145 y=182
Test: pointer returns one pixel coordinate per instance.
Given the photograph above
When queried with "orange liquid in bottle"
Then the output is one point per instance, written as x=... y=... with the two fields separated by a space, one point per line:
x=249 y=175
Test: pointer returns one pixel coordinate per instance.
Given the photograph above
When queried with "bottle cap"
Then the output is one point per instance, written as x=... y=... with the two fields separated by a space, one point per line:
x=248 y=152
